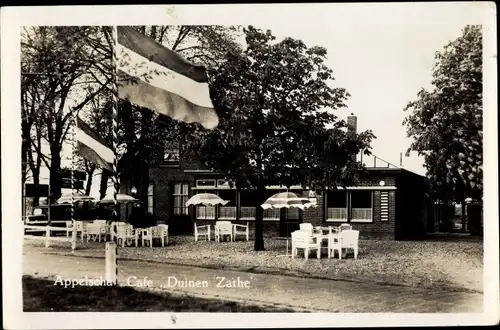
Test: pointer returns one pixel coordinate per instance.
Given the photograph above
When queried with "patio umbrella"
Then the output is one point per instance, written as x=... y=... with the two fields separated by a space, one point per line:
x=287 y=200
x=120 y=198
x=74 y=197
x=206 y=199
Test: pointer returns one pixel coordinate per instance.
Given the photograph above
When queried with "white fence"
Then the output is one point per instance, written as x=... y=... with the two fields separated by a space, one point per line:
x=48 y=237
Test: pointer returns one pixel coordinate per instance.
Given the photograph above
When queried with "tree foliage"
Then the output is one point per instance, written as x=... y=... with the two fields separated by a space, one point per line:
x=275 y=101
x=446 y=123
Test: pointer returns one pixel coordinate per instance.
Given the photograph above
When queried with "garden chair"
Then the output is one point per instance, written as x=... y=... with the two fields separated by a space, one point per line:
x=165 y=232
x=223 y=228
x=346 y=239
x=308 y=227
x=345 y=226
x=93 y=232
x=69 y=227
x=203 y=231
x=126 y=234
x=152 y=233
x=241 y=230
x=104 y=227
x=302 y=240
x=81 y=228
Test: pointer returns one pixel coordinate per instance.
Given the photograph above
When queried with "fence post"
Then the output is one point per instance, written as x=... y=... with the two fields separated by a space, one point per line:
x=111 y=263
x=47 y=237
x=73 y=237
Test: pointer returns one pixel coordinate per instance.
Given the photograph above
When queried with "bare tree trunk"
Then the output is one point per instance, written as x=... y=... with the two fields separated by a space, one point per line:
x=259 y=219
x=464 y=218
x=103 y=184
x=88 y=185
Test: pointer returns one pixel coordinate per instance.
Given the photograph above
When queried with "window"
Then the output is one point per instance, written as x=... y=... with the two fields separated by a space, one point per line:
x=336 y=206
x=361 y=205
x=181 y=196
x=228 y=211
x=151 y=190
x=210 y=183
x=171 y=155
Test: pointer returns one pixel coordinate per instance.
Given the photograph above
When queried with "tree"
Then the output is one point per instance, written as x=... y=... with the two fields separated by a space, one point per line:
x=446 y=122
x=65 y=67
x=274 y=102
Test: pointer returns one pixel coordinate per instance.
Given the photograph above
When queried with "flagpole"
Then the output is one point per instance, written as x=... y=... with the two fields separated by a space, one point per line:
x=115 y=142
x=115 y=119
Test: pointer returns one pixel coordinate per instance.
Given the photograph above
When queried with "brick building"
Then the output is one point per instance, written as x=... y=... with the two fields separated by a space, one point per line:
x=388 y=203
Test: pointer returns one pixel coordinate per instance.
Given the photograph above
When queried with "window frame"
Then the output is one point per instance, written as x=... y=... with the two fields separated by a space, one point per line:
x=180 y=195
x=152 y=196
x=371 y=207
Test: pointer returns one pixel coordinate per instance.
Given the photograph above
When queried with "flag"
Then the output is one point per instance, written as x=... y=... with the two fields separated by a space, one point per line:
x=92 y=147
x=155 y=77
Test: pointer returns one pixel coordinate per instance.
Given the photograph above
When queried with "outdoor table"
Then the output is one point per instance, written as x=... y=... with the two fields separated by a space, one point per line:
x=321 y=237
x=287 y=243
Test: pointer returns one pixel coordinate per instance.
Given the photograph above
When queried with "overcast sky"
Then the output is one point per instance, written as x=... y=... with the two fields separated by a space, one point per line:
x=381 y=53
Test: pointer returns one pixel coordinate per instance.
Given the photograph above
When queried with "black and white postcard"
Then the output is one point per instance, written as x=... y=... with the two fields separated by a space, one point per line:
x=237 y=165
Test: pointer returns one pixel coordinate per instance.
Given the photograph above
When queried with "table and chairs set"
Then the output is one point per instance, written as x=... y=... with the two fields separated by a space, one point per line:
x=123 y=233
x=338 y=239
x=221 y=230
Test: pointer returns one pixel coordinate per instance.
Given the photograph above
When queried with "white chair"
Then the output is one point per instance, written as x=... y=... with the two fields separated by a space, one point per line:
x=69 y=227
x=81 y=227
x=346 y=239
x=345 y=226
x=203 y=231
x=241 y=230
x=93 y=232
x=126 y=234
x=165 y=232
x=308 y=227
x=104 y=227
x=152 y=233
x=223 y=228
x=302 y=240
x=333 y=230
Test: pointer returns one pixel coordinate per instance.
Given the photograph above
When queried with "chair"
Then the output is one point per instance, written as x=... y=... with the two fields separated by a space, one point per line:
x=81 y=228
x=151 y=233
x=345 y=226
x=308 y=227
x=69 y=227
x=104 y=227
x=93 y=232
x=165 y=232
x=346 y=239
x=223 y=228
x=241 y=230
x=333 y=230
x=203 y=231
x=125 y=234
x=302 y=240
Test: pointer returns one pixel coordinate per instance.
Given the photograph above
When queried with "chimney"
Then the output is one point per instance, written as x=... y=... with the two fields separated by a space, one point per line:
x=352 y=125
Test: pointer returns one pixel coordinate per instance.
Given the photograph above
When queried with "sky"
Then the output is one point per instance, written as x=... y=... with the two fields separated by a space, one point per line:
x=382 y=55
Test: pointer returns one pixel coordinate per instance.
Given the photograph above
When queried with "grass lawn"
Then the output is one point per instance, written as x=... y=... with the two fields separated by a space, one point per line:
x=41 y=295
x=433 y=263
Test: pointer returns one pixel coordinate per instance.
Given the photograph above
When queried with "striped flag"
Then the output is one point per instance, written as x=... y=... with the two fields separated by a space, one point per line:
x=155 y=77
x=92 y=147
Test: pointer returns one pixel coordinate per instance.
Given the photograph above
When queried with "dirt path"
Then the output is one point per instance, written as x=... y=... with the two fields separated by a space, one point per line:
x=301 y=293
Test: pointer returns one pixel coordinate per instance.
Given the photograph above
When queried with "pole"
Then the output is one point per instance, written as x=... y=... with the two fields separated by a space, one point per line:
x=73 y=222
x=115 y=148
